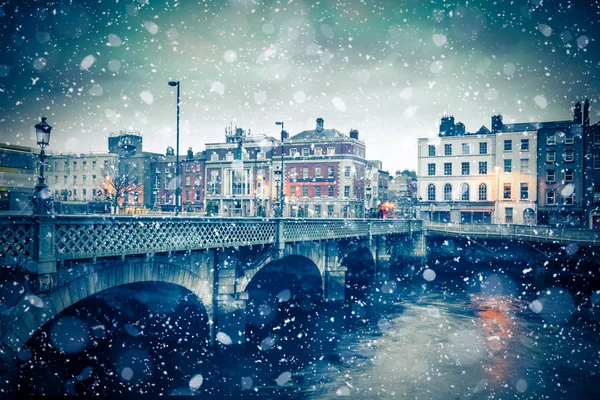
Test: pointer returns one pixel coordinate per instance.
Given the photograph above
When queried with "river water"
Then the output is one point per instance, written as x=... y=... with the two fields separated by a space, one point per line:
x=431 y=336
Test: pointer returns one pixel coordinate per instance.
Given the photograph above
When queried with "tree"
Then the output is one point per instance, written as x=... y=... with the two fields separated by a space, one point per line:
x=119 y=179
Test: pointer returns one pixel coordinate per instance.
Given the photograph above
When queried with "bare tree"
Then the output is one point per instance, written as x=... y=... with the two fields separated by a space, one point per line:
x=119 y=179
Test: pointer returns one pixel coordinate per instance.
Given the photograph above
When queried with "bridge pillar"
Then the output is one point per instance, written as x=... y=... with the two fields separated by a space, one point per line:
x=229 y=311
x=334 y=279
x=43 y=267
x=382 y=259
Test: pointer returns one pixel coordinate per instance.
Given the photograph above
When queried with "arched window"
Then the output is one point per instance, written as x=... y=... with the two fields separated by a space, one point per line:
x=431 y=192
x=464 y=192
x=447 y=192
x=483 y=192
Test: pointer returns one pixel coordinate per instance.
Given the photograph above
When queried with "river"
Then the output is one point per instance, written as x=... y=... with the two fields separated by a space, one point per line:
x=431 y=336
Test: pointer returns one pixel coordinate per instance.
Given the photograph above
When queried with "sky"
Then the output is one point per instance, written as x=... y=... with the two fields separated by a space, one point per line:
x=390 y=69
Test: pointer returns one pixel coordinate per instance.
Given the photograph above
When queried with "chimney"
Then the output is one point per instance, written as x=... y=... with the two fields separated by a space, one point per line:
x=447 y=126
x=170 y=151
x=586 y=113
x=190 y=154
x=496 y=123
x=354 y=134
x=284 y=135
x=577 y=113
x=319 y=125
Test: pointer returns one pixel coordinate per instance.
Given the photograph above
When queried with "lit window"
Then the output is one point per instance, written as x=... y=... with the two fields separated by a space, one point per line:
x=507 y=191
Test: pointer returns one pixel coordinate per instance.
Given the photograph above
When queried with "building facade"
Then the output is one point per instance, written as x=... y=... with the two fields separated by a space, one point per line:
x=18 y=175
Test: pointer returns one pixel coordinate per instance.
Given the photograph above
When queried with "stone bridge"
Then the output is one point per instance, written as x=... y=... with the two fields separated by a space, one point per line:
x=49 y=263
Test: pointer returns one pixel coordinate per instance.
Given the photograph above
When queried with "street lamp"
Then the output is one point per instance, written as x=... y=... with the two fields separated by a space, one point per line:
x=41 y=197
x=177 y=179
x=281 y=195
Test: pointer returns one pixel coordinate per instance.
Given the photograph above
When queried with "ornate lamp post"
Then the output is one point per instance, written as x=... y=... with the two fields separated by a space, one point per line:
x=281 y=200
x=41 y=198
x=177 y=179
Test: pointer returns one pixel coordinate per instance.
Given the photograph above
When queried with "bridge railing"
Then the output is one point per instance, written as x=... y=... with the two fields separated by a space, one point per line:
x=69 y=237
x=522 y=232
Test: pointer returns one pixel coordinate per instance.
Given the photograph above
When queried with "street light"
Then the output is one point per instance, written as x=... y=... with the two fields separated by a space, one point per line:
x=177 y=180
x=41 y=197
x=281 y=195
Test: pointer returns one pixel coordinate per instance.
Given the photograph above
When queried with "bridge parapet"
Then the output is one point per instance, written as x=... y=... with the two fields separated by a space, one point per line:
x=91 y=236
x=545 y=234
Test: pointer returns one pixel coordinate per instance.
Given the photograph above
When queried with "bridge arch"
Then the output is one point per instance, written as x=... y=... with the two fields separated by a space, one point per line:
x=360 y=270
x=86 y=280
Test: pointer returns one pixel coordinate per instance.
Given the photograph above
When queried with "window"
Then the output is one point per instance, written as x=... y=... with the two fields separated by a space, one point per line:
x=317 y=191
x=483 y=148
x=167 y=170
x=524 y=190
x=346 y=172
x=197 y=196
x=465 y=168
x=187 y=196
x=346 y=191
x=507 y=165
x=293 y=191
x=569 y=156
x=550 y=196
x=431 y=192
x=482 y=192
x=305 y=173
x=569 y=199
x=318 y=151
x=65 y=180
x=74 y=179
x=317 y=210
x=508 y=145
x=447 y=168
x=305 y=151
x=317 y=172
x=187 y=167
x=214 y=156
x=157 y=182
x=550 y=140
x=508 y=214
x=198 y=166
x=550 y=176
x=93 y=164
x=331 y=151
x=524 y=144
x=431 y=150
x=465 y=192
x=293 y=152
x=596 y=137
x=293 y=173
x=447 y=149
x=431 y=169
x=507 y=194
x=105 y=163
x=330 y=172
x=74 y=165
x=568 y=175
x=84 y=192
x=158 y=170
x=525 y=165
x=551 y=156
x=569 y=138
x=330 y=210
x=304 y=191
x=188 y=180
x=84 y=179
x=466 y=149
x=447 y=192
x=483 y=168
x=330 y=191
x=75 y=194
x=596 y=161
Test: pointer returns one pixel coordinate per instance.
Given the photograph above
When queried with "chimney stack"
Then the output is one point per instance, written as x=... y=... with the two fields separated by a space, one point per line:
x=190 y=154
x=586 y=113
x=577 y=118
x=354 y=134
x=319 y=125
x=496 y=123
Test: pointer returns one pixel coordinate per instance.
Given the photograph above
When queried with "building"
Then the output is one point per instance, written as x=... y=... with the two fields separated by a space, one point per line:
x=325 y=173
x=239 y=178
x=18 y=176
x=456 y=175
x=591 y=171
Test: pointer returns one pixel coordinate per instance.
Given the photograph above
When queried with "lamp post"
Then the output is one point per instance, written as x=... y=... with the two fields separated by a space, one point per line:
x=497 y=211
x=41 y=197
x=177 y=178
x=282 y=173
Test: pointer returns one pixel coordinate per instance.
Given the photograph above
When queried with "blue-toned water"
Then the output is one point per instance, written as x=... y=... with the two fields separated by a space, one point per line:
x=432 y=336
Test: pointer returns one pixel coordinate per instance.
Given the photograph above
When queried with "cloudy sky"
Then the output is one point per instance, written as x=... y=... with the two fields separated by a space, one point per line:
x=390 y=68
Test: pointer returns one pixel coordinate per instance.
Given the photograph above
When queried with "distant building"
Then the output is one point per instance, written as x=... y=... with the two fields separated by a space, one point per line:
x=19 y=168
x=591 y=171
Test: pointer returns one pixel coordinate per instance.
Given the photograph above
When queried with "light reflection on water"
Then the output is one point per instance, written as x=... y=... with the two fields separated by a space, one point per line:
x=463 y=345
